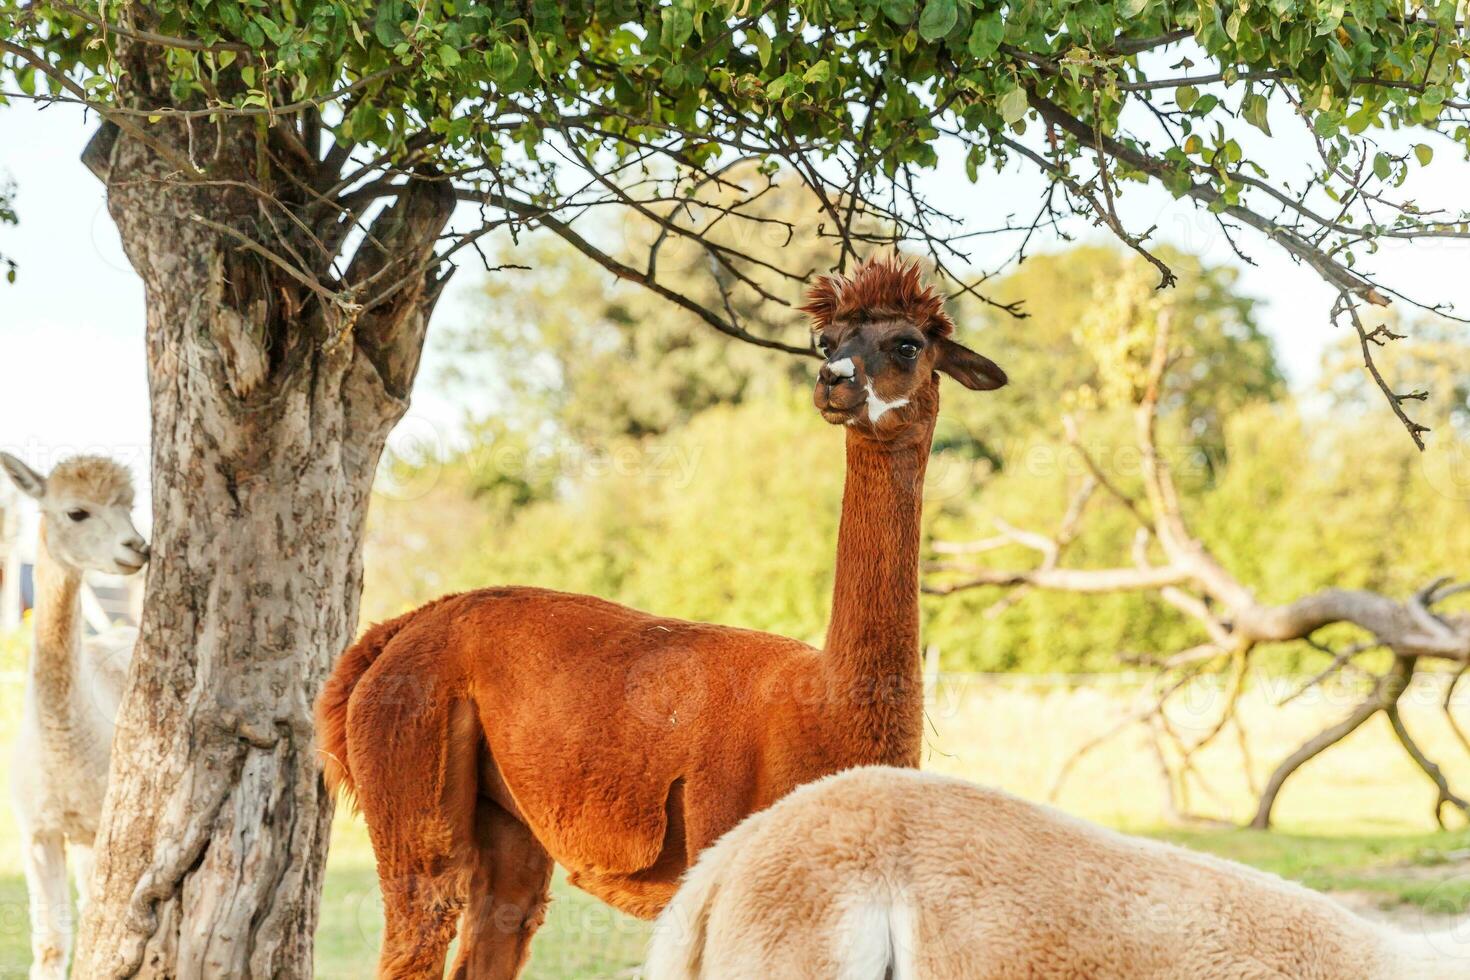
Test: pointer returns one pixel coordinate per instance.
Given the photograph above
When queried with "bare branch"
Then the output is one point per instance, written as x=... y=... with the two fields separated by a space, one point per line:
x=1446 y=796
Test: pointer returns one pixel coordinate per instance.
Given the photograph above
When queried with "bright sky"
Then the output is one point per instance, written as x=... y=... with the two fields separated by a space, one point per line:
x=71 y=329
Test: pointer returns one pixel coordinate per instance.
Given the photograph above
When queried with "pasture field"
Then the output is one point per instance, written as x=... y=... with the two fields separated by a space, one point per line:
x=1356 y=821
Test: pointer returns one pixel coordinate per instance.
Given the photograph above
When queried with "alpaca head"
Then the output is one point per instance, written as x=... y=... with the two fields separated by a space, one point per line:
x=87 y=504
x=882 y=334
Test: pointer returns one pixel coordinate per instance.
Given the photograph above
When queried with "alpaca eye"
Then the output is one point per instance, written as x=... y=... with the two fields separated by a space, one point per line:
x=907 y=349
x=823 y=347
x=78 y=515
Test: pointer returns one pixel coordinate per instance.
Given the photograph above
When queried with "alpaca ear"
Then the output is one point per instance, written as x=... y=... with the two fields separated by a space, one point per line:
x=975 y=371
x=31 y=483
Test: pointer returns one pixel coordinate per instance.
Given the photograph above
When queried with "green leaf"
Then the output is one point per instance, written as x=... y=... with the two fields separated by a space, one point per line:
x=1329 y=16
x=1186 y=96
x=385 y=24
x=899 y=11
x=819 y=72
x=448 y=55
x=1133 y=8
x=678 y=24
x=1013 y=105
x=1381 y=166
x=762 y=46
x=1253 y=108
x=1325 y=125
x=986 y=35
x=501 y=60
x=536 y=60
x=1424 y=153
x=972 y=164
x=938 y=19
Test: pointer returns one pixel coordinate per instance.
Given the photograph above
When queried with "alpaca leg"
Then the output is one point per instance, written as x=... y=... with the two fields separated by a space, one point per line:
x=50 y=903
x=509 y=893
x=414 y=760
x=419 y=913
x=80 y=858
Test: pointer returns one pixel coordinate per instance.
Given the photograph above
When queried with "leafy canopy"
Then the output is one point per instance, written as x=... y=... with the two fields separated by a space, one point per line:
x=809 y=69
x=545 y=111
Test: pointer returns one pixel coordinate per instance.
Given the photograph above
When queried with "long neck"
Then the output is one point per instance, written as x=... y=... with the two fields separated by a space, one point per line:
x=873 y=638
x=58 y=621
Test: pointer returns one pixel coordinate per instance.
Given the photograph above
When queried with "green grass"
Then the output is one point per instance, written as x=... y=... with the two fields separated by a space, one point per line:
x=1356 y=820
x=581 y=937
x=1428 y=871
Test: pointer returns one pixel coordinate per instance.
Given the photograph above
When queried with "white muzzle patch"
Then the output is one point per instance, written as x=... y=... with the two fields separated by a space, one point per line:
x=842 y=367
x=877 y=407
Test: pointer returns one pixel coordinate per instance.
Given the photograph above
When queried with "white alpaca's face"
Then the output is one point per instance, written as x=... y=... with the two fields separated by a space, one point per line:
x=84 y=530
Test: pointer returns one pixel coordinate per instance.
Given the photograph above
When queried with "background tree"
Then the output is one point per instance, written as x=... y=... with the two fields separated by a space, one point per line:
x=284 y=179
x=598 y=361
x=1381 y=639
x=1225 y=361
x=603 y=360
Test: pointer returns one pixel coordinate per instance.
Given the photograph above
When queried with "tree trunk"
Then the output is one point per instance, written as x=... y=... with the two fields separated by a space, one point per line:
x=270 y=406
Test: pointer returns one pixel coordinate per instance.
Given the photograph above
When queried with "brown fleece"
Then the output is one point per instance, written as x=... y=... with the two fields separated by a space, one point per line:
x=489 y=734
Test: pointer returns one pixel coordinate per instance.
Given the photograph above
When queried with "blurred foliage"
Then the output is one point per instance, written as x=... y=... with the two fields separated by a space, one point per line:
x=678 y=524
x=725 y=509
x=577 y=353
x=7 y=217
x=602 y=360
x=1056 y=360
x=571 y=348
x=733 y=519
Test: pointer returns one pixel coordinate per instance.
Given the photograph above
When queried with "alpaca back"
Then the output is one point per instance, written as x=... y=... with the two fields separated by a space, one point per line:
x=992 y=887
x=716 y=928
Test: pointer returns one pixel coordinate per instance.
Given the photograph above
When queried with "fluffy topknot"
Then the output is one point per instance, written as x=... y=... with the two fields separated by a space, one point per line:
x=95 y=478
x=879 y=287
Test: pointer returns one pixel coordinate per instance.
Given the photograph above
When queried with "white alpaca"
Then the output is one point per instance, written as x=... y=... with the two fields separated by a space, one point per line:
x=59 y=771
x=890 y=873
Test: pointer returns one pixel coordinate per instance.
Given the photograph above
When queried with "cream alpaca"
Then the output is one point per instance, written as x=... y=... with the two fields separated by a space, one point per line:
x=881 y=872
x=72 y=693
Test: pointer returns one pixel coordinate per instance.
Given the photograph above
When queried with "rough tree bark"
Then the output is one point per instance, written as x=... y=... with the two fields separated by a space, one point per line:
x=270 y=407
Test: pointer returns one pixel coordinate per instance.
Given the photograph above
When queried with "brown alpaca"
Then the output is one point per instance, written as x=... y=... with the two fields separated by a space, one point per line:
x=490 y=734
